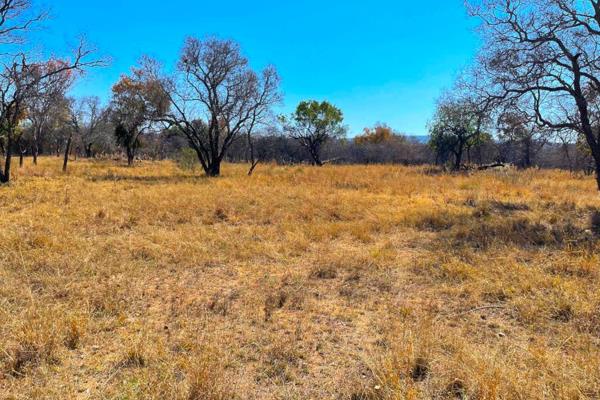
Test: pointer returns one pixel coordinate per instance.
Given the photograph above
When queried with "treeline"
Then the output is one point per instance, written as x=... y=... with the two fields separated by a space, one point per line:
x=379 y=145
x=276 y=147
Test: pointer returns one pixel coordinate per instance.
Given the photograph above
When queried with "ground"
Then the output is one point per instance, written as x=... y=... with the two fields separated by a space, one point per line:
x=342 y=282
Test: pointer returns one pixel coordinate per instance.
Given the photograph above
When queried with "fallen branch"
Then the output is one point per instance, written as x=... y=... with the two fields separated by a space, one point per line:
x=490 y=166
x=332 y=160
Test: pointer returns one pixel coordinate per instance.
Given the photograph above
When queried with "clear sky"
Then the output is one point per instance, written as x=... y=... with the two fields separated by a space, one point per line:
x=378 y=60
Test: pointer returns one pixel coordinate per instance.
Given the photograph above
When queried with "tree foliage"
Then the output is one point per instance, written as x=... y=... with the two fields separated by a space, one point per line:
x=313 y=124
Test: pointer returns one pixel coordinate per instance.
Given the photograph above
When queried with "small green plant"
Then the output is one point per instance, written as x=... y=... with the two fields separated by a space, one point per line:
x=187 y=159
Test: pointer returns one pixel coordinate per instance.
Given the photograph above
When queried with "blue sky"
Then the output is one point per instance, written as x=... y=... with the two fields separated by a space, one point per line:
x=378 y=60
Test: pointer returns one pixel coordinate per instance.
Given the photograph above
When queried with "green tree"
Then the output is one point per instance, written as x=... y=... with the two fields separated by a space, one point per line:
x=313 y=124
x=455 y=129
x=135 y=105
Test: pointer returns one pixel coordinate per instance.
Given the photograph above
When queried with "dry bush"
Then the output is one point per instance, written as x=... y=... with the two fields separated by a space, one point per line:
x=35 y=341
x=281 y=361
x=206 y=379
x=75 y=331
x=221 y=302
x=290 y=293
x=134 y=355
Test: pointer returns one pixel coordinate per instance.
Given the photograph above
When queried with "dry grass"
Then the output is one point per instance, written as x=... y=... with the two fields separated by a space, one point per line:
x=350 y=282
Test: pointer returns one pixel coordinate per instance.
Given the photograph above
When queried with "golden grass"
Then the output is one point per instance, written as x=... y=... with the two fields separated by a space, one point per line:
x=344 y=282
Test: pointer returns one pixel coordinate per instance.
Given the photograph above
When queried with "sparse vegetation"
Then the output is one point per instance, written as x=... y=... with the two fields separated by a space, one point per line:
x=132 y=274
x=349 y=282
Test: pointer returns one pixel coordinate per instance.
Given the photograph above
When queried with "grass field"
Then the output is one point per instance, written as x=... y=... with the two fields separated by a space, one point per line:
x=342 y=282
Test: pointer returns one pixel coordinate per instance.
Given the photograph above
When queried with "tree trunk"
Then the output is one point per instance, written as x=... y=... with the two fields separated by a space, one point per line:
x=130 y=156
x=66 y=157
x=527 y=154
x=21 y=159
x=253 y=160
x=598 y=173
x=458 y=158
x=5 y=176
x=88 y=151
x=35 y=148
x=252 y=167
x=214 y=169
x=315 y=154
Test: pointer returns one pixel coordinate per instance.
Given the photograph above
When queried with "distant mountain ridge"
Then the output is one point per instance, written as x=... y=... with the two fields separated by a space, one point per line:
x=419 y=138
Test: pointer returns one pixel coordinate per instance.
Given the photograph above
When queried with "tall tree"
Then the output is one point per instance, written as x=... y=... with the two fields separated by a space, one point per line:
x=136 y=104
x=47 y=104
x=520 y=131
x=91 y=118
x=546 y=53
x=313 y=124
x=82 y=120
x=215 y=97
x=456 y=127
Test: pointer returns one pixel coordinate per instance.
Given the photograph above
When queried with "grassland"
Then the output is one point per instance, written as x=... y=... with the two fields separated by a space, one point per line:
x=342 y=282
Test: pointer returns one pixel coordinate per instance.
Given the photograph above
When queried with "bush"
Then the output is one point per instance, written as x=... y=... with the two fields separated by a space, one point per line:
x=187 y=159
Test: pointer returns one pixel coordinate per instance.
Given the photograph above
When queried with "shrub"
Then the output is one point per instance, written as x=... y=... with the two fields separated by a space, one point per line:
x=187 y=159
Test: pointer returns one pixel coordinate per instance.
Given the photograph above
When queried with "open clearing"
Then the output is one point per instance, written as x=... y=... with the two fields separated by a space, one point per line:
x=342 y=282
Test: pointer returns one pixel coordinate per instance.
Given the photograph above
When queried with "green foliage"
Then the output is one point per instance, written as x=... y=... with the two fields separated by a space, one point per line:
x=320 y=117
x=313 y=124
x=187 y=159
x=455 y=128
x=126 y=138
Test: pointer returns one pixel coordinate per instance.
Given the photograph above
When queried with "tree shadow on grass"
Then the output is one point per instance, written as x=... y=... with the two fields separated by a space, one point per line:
x=149 y=179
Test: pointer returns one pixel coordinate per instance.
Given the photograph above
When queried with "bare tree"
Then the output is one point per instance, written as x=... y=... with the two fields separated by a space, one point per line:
x=16 y=17
x=87 y=117
x=46 y=106
x=520 y=131
x=215 y=98
x=546 y=53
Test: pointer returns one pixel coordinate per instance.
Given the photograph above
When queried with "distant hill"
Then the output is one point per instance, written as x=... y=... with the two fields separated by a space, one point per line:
x=419 y=138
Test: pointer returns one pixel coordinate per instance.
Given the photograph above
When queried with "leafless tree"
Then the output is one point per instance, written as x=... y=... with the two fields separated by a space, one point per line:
x=16 y=18
x=87 y=116
x=83 y=118
x=546 y=53
x=519 y=129
x=215 y=98
x=46 y=106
